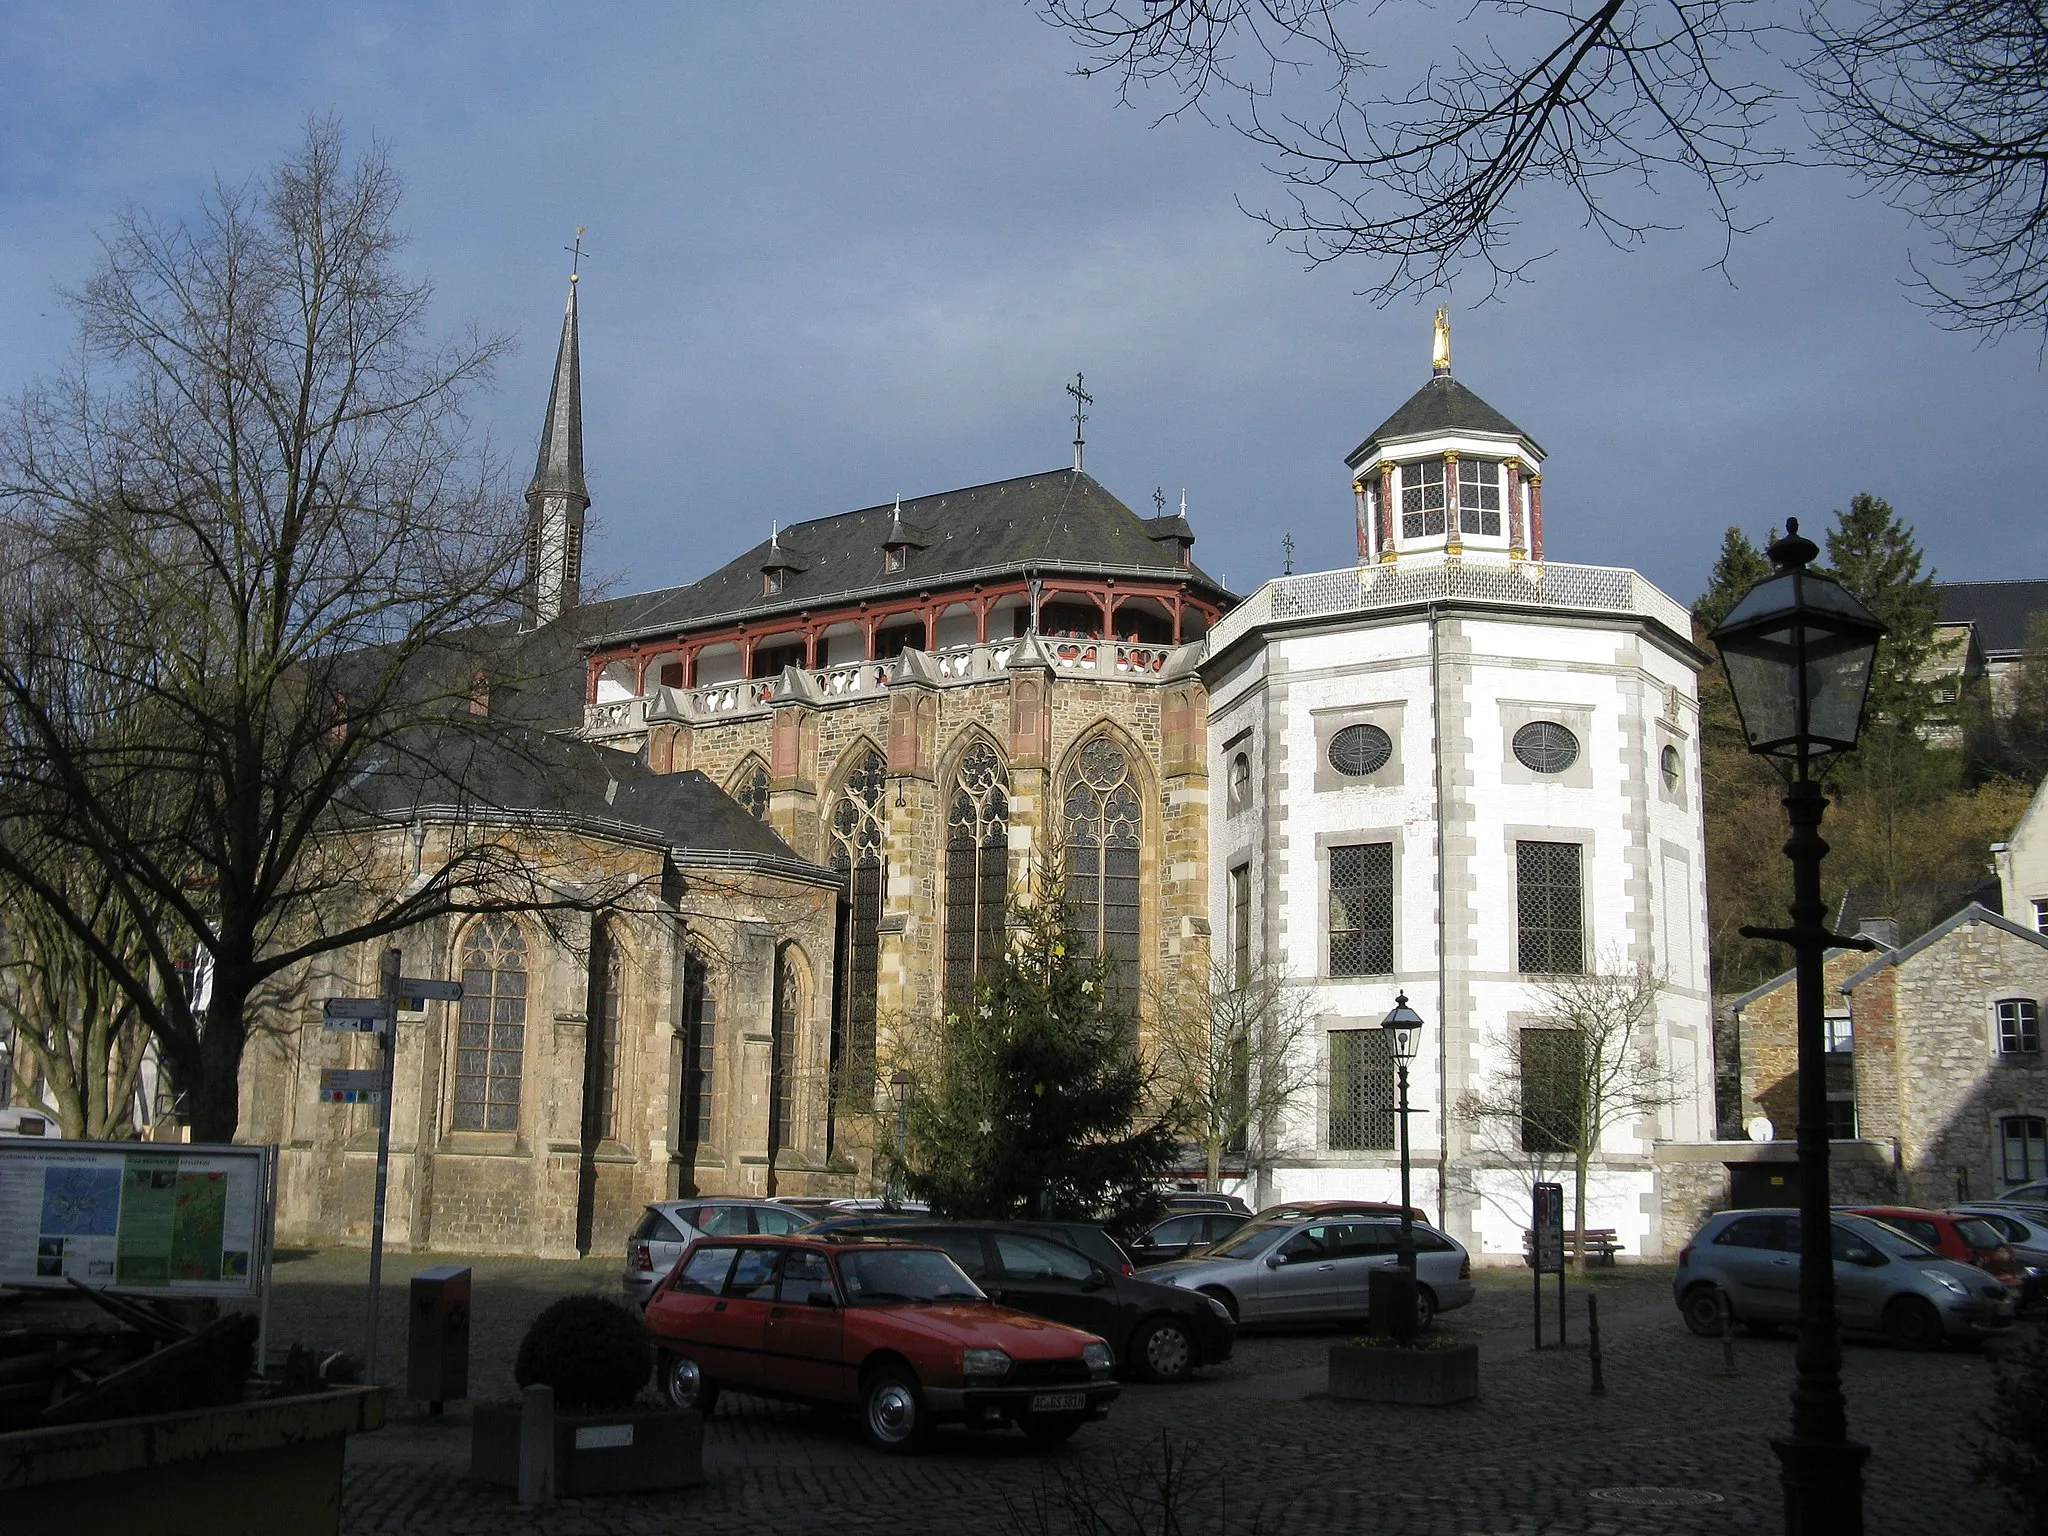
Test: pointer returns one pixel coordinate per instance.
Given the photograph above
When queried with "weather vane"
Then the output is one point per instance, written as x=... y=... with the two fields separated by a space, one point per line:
x=576 y=253
x=1082 y=399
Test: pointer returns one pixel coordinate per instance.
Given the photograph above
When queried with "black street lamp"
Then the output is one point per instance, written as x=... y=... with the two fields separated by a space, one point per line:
x=901 y=1081
x=1798 y=650
x=1404 y=1035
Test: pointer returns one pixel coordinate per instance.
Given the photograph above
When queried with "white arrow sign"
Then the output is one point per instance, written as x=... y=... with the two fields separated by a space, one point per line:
x=349 y=1085
x=361 y=1015
x=416 y=990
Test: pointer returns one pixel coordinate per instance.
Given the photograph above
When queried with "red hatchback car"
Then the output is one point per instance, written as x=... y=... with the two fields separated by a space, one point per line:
x=1966 y=1239
x=894 y=1330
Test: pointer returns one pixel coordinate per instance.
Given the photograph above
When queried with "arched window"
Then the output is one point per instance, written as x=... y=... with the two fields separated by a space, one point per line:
x=699 y=1044
x=1104 y=824
x=601 y=1059
x=857 y=837
x=490 y=1040
x=782 y=1051
x=977 y=867
x=750 y=788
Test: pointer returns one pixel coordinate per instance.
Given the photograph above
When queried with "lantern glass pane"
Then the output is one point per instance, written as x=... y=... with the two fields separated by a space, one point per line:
x=1765 y=684
x=1837 y=676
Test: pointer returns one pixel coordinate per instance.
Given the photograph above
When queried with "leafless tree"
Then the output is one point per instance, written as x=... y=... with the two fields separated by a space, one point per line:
x=257 y=580
x=1586 y=1064
x=1235 y=1052
x=1939 y=102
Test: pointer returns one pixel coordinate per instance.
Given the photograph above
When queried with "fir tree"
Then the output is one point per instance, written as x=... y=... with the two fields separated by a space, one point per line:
x=1739 y=566
x=1038 y=1102
x=1875 y=555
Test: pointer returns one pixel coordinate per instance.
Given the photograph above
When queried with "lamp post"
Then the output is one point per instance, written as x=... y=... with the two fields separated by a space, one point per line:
x=1404 y=1034
x=900 y=1081
x=1798 y=651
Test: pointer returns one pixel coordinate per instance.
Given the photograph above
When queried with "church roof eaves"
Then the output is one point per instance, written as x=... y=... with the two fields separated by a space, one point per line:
x=1441 y=406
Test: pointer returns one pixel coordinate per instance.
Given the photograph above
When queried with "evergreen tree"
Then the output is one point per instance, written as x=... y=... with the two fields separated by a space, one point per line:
x=1034 y=1102
x=1874 y=555
x=1740 y=566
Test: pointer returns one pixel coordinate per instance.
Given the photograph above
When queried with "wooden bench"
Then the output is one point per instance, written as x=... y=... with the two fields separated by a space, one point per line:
x=1601 y=1244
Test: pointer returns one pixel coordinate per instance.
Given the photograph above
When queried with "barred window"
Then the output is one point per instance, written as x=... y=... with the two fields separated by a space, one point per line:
x=1361 y=1090
x=699 y=1042
x=857 y=837
x=1104 y=829
x=1553 y=1089
x=750 y=788
x=977 y=868
x=2025 y=1142
x=490 y=1036
x=2019 y=1026
x=1422 y=499
x=1358 y=750
x=1544 y=746
x=1362 y=909
x=1550 y=936
x=1479 y=496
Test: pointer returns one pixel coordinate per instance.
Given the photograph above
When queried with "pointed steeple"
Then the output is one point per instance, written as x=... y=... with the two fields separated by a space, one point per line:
x=557 y=499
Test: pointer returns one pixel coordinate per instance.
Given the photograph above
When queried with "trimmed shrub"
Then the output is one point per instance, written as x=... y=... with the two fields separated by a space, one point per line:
x=592 y=1351
x=2013 y=1455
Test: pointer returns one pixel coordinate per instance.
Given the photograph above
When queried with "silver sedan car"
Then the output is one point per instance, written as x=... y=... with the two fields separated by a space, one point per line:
x=669 y=1227
x=1318 y=1269
x=1884 y=1281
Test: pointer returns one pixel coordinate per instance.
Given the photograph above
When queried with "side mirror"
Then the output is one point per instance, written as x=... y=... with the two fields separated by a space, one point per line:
x=1097 y=1279
x=1275 y=1260
x=1863 y=1254
x=822 y=1298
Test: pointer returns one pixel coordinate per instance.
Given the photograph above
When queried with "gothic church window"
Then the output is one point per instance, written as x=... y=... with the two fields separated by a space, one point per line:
x=1550 y=929
x=857 y=839
x=1422 y=499
x=782 y=1050
x=1104 y=827
x=601 y=1061
x=977 y=868
x=699 y=1044
x=490 y=1038
x=750 y=789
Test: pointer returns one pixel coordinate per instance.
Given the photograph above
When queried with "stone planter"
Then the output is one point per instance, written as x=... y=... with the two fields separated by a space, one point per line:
x=268 y=1468
x=1429 y=1378
x=625 y=1450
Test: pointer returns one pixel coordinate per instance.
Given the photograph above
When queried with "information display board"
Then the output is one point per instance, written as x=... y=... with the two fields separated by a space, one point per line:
x=1547 y=1228
x=141 y=1216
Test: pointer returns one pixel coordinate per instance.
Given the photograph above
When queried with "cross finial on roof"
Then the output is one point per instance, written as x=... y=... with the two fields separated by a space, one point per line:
x=1081 y=399
x=1183 y=501
x=1287 y=544
x=1159 y=500
x=775 y=534
x=576 y=253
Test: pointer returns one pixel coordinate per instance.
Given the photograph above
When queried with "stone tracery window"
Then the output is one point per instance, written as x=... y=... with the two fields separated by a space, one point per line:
x=977 y=867
x=1104 y=838
x=750 y=789
x=490 y=1039
x=858 y=834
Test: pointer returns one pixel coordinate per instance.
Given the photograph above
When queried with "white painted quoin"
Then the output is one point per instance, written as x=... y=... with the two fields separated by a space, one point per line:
x=1451 y=636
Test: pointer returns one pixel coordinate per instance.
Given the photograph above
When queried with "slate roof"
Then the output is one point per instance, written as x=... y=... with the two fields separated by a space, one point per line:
x=501 y=770
x=558 y=465
x=1441 y=405
x=1059 y=520
x=1915 y=908
x=1999 y=611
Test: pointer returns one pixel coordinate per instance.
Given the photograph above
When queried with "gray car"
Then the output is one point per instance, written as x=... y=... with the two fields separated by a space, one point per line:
x=670 y=1226
x=1884 y=1281
x=2025 y=1230
x=1317 y=1270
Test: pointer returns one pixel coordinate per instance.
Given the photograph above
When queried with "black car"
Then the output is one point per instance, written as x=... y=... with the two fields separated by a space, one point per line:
x=1157 y=1332
x=1178 y=1236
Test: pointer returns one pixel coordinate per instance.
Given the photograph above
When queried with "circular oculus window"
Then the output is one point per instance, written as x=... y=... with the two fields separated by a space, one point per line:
x=1358 y=750
x=1544 y=746
x=1669 y=762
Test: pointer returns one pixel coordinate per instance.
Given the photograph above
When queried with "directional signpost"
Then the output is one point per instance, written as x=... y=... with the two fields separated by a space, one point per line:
x=1546 y=1250
x=377 y=1016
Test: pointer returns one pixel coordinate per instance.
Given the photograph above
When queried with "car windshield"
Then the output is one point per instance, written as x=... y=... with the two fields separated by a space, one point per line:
x=1248 y=1242
x=1894 y=1243
x=1978 y=1233
x=904 y=1274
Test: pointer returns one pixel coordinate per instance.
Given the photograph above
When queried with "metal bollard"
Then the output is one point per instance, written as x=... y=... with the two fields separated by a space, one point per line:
x=1727 y=1336
x=537 y=1446
x=1593 y=1335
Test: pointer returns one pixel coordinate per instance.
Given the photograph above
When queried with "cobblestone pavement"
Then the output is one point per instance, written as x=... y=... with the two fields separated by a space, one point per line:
x=1533 y=1456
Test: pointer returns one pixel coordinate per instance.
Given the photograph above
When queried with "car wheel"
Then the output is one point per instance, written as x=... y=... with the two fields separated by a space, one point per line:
x=1162 y=1351
x=1425 y=1306
x=683 y=1383
x=1229 y=1301
x=1912 y=1323
x=1050 y=1428
x=892 y=1413
x=1701 y=1309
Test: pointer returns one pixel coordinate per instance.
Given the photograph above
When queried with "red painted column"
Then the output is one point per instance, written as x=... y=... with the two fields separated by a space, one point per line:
x=639 y=674
x=1386 y=511
x=1178 y=601
x=1364 y=531
x=811 y=646
x=867 y=624
x=930 y=614
x=1536 y=516
x=590 y=683
x=1454 y=532
x=981 y=607
x=746 y=655
x=1516 y=543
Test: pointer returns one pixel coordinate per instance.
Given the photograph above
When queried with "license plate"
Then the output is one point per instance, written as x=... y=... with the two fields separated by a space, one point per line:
x=1058 y=1402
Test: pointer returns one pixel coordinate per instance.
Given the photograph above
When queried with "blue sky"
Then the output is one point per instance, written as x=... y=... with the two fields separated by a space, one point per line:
x=844 y=252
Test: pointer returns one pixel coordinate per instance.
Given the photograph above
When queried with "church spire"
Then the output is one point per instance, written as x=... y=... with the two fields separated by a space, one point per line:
x=557 y=499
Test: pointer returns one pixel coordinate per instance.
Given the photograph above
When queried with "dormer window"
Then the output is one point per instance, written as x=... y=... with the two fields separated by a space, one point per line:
x=1479 y=497
x=1422 y=499
x=771 y=581
x=894 y=557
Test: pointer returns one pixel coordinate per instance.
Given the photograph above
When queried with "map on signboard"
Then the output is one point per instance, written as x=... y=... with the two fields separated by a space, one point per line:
x=81 y=1202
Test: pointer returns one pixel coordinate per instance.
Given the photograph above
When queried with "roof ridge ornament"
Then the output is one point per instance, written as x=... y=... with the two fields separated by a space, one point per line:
x=1081 y=399
x=1440 y=344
